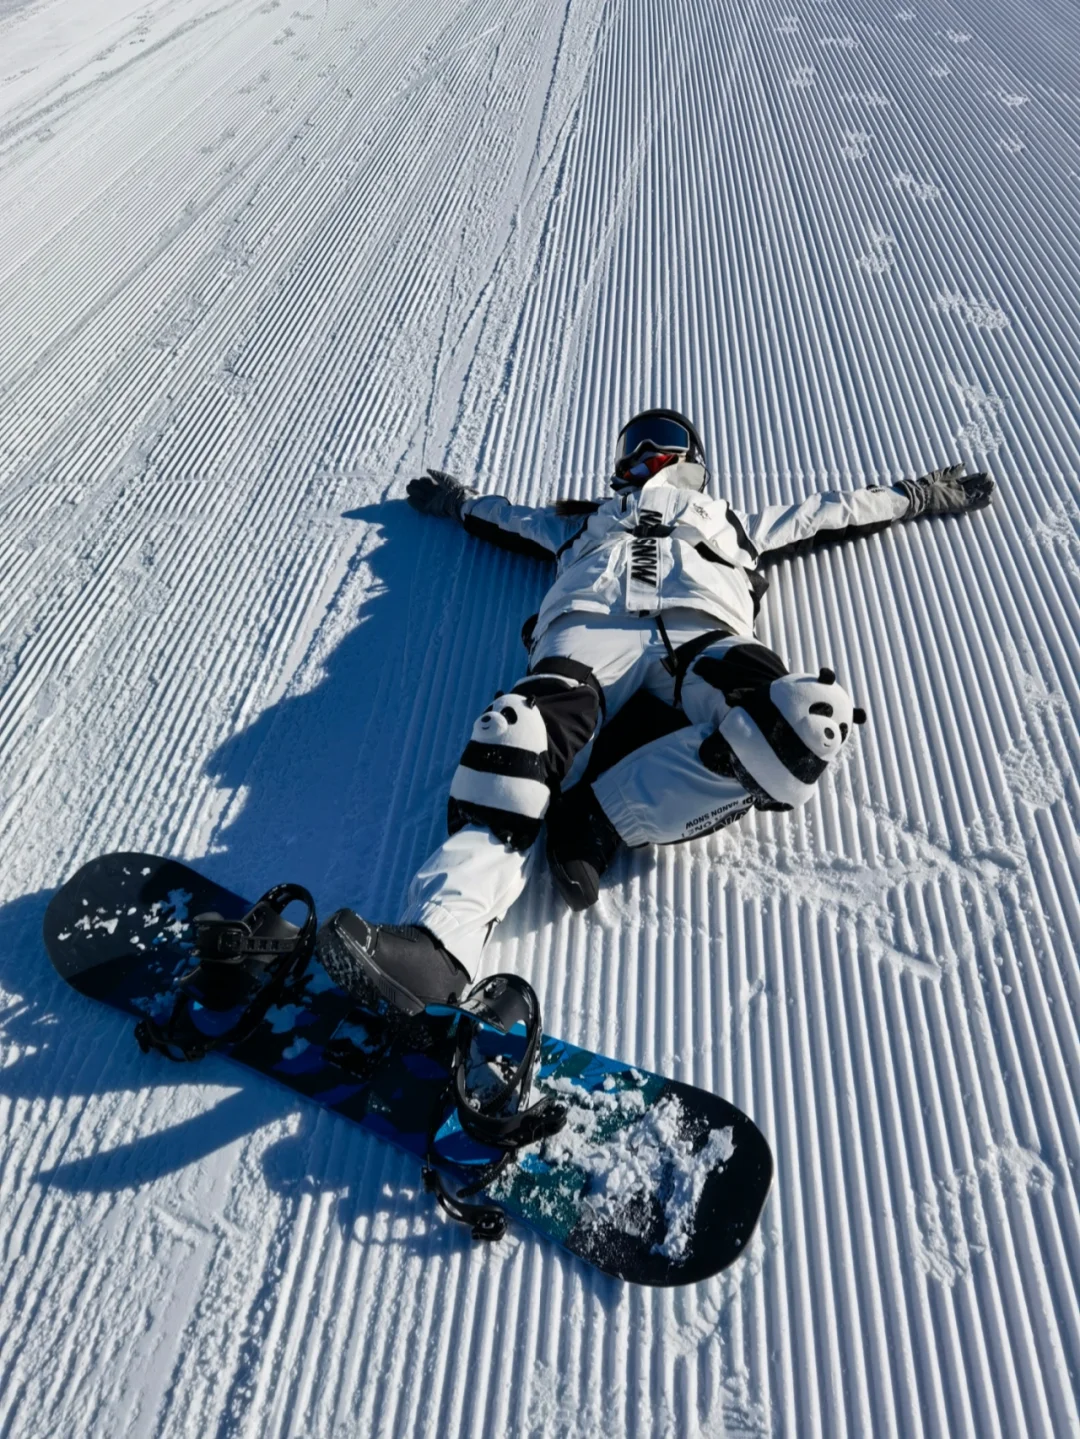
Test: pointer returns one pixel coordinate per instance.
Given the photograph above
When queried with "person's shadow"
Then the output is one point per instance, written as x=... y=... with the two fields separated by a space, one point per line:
x=344 y=790
x=345 y=785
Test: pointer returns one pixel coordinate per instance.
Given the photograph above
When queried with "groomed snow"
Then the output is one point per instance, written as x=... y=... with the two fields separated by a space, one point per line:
x=259 y=265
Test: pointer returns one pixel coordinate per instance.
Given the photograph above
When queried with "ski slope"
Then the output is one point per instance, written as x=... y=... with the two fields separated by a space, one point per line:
x=258 y=266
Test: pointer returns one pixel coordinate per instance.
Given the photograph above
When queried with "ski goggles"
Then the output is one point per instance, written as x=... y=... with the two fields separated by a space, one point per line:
x=654 y=433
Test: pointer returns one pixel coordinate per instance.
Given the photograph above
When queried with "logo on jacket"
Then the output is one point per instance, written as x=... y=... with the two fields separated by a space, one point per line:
x=644 y=561
x=644 y=555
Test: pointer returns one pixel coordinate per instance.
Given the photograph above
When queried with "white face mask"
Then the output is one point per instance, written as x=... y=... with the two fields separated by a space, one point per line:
x=682 y=475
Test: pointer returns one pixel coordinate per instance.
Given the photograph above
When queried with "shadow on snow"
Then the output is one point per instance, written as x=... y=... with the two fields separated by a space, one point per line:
x=344 y=791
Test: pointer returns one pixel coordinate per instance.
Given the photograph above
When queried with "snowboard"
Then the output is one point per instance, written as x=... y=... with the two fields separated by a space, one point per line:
x=650 y=1180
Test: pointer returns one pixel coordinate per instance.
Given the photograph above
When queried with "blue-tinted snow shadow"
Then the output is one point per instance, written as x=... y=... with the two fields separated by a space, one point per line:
x=337 y=798
x=60 y=1047
x=344 y=787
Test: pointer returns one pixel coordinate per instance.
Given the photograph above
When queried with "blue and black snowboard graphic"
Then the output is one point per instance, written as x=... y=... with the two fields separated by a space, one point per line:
x=649 y=1180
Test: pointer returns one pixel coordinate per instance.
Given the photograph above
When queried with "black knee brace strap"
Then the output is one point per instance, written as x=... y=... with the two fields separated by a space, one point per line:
x=571 y=670
x=571 y=712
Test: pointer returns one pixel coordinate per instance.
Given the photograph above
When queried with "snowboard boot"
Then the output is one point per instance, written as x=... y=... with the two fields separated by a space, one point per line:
x=389 y=969
x=581 y=843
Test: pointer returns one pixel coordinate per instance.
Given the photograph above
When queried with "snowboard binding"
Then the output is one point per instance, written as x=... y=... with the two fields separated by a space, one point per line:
x=244 y=968
x=496 y=1042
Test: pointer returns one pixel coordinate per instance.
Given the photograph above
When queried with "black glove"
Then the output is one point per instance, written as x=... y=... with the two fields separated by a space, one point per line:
x=947 y=492
x=439 y=494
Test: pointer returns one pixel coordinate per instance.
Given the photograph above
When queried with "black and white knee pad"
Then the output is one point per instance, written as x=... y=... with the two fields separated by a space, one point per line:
x=784 y=734
x=502 y=779
x=521 y=747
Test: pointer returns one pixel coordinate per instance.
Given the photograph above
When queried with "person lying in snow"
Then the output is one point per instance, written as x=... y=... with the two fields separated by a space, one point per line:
x=649 y=713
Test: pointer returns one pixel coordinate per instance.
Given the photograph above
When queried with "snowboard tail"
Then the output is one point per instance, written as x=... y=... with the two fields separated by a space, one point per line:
x=650 y=1180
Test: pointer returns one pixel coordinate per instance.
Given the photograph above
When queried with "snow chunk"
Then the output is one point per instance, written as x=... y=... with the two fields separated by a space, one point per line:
x=318 y=981
x=358 y=1035
x=88 y=922
x=856 y=145
x=648 y=1158
x=983 y=431
x=981 y=313
x=179 y=899
x=921 y=189
x=880 y=257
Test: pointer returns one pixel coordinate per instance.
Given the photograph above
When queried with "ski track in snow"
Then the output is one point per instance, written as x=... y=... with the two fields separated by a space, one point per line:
x=258 y=265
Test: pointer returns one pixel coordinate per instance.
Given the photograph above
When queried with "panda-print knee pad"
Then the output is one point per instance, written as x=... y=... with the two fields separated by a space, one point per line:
x=724 y=668
x=521 y=746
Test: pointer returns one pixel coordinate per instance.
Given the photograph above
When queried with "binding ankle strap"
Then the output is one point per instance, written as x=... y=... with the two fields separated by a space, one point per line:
x=231 y=942
x=495 y=1119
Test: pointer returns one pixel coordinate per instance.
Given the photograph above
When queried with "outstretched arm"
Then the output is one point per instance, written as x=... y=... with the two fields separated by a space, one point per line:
x=538 y=532
x=833 y=515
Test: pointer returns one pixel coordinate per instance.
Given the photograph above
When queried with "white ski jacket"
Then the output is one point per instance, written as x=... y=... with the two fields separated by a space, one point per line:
x=668 y=546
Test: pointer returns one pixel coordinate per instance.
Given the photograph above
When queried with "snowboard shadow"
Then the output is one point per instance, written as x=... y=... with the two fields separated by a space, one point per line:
x=63 y=1050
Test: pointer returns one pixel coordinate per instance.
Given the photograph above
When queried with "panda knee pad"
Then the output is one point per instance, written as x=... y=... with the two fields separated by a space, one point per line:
x=728 y=665
x=522 y=745
x=784 y=735
x=502 y=780
x=572 y=704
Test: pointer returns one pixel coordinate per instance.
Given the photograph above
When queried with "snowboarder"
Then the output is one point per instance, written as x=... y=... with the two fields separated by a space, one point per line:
x=649 y=713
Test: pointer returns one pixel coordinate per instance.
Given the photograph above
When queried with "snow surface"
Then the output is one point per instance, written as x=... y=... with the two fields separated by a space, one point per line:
x=258 y=265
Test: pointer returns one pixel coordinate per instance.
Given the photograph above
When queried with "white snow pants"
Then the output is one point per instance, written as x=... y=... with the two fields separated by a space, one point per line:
x=658 y=794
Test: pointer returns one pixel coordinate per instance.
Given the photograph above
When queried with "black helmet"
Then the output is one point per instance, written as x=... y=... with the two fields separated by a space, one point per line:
x=657 y=432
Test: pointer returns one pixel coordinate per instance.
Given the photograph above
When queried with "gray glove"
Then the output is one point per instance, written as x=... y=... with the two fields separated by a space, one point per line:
x=947 y=492
x=439 y=494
